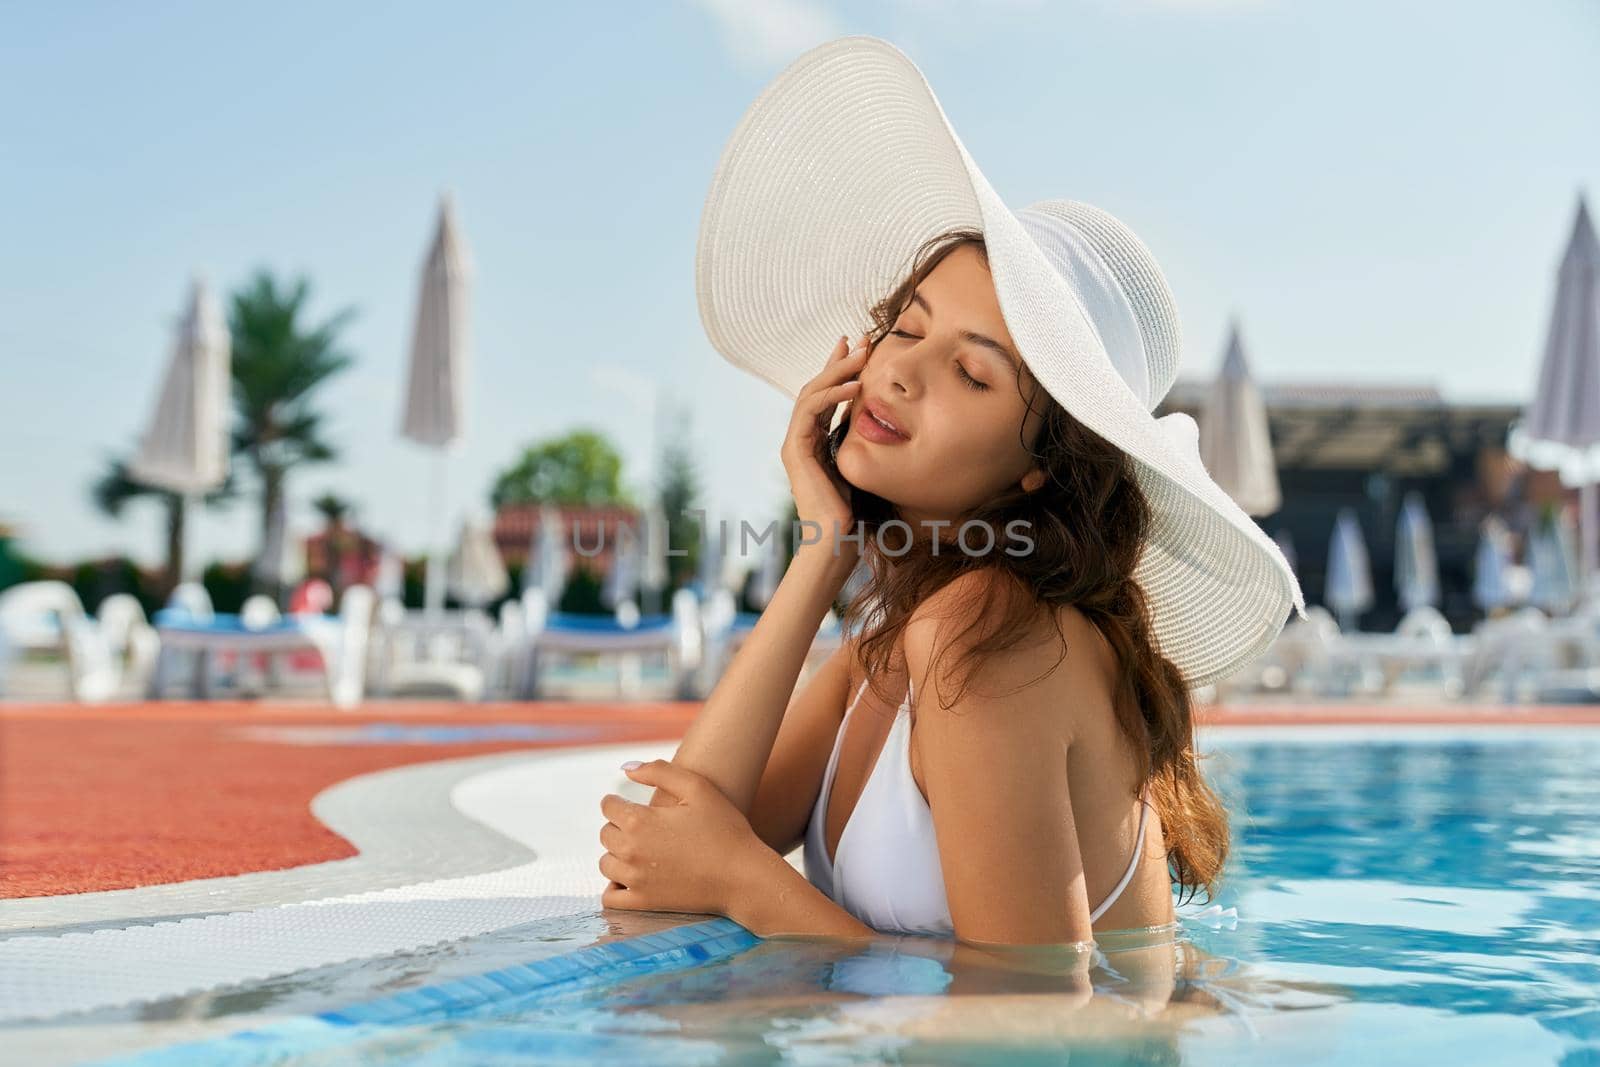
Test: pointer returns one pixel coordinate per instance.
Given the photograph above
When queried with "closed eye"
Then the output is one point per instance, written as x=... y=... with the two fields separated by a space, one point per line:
x=968 y=380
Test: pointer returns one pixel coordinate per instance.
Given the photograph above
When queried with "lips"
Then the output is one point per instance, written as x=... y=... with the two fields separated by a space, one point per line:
x=885 y=418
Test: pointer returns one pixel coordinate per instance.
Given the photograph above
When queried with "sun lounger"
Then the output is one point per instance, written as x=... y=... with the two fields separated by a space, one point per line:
x=104 y=654
x=624 y=634
x=432 y=654
x=340 y=641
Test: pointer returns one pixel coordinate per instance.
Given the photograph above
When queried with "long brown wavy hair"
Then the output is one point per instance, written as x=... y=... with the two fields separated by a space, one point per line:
x=1088 y=522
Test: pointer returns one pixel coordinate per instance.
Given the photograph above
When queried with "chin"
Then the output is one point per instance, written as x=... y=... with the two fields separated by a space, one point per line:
x=868 y=476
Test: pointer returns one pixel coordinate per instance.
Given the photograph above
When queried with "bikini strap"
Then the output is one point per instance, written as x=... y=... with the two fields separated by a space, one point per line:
x=1133 y=864
x=857 y=699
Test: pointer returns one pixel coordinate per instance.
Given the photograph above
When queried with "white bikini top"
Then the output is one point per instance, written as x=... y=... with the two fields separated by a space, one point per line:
x=886 y=870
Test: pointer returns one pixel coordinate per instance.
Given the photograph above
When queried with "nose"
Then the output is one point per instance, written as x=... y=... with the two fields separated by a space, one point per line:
x=900 y=366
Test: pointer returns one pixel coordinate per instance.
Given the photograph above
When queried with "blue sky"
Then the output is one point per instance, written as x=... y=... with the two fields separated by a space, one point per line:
x=1379 y=191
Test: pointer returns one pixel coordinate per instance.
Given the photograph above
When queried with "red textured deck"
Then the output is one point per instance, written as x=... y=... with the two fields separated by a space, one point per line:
x=114 y=797
x=135 y=795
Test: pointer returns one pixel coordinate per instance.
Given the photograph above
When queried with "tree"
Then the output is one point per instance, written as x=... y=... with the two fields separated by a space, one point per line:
x=580 y=468
x=278 y=365
x=334 y=509
x=680 y=493
x=115 y=487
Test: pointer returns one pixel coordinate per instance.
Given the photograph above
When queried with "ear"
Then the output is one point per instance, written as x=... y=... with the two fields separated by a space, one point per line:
x=1032 y=480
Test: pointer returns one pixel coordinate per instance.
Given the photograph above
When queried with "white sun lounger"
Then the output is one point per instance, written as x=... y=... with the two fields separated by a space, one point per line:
x=625 y=634
x=341 y=642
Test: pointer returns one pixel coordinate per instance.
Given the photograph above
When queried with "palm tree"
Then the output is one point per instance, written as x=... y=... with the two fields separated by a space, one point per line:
x=115 y=487
x=278 y=363
x=333 y=509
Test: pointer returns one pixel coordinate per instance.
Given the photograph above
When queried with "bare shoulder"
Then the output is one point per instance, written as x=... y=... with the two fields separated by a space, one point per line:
x=1058 y=666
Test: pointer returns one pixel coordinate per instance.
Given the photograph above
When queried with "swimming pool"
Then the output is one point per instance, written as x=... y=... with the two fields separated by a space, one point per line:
x=1433 y=896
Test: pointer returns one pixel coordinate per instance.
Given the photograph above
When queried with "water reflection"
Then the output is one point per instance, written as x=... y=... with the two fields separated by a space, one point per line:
x=1396 y=902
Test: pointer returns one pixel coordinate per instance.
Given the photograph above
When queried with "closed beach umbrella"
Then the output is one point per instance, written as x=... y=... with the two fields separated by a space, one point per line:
x=1285 y=545
x=436 y=382
x=1552 y=560
x=853 y=588
x=185 y=444
x=709 y=570
x=184 y=448
x=657 y=541
x=1492 y=581
x=1416 y=566
x=390 y=581
x=477 y=574
x=283 y=558
x=1561 y=425
x=547 y=558
x=1349 y=583
x=769 y=571
x=1235 y=446
x=622 y=580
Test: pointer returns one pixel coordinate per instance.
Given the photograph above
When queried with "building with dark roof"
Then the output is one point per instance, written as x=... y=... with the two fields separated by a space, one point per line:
x=1365 y=447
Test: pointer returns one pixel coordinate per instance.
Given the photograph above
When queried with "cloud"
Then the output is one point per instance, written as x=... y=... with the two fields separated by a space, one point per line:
x=762 y=33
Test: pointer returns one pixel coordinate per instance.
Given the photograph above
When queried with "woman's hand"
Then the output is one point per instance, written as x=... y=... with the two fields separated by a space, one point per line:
x=691 y=856
x=820 y=495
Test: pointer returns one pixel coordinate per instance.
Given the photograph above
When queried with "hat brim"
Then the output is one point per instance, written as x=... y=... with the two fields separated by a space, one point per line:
x=841 y=168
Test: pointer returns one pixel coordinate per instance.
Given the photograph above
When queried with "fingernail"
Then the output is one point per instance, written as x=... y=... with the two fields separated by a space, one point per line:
x=631 y=764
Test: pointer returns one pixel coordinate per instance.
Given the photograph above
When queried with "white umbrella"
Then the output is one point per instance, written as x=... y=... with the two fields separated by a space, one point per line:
x=710 y=568
x=283 y=558
x=734 y=566
x=1286 y=545
x=770 y=572
x=853 y=586
x=477 y=574
x=547 y=556
x=435 y=405
x=184 y=449
x=1551 y=558
x=1235 y=446
x=390 y=581
x=657 y=542
x=1561 y=425
x=1416 y=565
x=1348 y=589
x=1492 y=581
x=622 y=580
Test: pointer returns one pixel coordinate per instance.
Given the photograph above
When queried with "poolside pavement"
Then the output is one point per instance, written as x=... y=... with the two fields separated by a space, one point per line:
x=156 y=850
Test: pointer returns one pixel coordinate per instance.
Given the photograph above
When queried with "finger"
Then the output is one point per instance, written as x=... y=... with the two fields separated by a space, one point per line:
x=616 y=895
x=813 y=415
x=828 y=410
x=615 y=869
x=834 y=369
x=612 y=837
x=823 y=402
x=678 y=781
x=621 y=811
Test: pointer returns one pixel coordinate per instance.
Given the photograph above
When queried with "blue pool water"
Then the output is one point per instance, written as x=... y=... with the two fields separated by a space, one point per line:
x=1426 y=899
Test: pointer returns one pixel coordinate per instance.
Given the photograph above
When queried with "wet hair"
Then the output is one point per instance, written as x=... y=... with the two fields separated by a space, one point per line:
x=1088 y=522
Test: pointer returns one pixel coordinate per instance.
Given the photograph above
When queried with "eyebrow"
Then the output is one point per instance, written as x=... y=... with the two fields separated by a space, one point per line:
x=968 y=335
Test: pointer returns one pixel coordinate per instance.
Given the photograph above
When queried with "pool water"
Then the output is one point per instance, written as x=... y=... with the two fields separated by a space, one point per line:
x=1429 y=898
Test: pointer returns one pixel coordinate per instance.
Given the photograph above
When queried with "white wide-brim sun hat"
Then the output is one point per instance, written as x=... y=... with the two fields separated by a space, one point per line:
x=841 y=168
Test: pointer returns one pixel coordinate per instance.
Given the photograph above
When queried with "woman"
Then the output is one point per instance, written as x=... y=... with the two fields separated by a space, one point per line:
x=1006 y=753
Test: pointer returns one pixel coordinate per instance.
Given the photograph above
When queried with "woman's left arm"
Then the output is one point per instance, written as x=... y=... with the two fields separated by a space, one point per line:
x=697 y=853
x=775 y=900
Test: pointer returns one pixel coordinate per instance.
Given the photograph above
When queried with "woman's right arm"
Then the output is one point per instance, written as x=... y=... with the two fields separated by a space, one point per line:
x=730 y=740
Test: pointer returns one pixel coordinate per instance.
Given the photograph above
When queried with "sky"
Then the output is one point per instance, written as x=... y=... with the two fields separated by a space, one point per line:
x=1379 y=192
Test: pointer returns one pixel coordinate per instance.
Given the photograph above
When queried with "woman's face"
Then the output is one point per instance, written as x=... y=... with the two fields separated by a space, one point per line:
x=946 y=377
